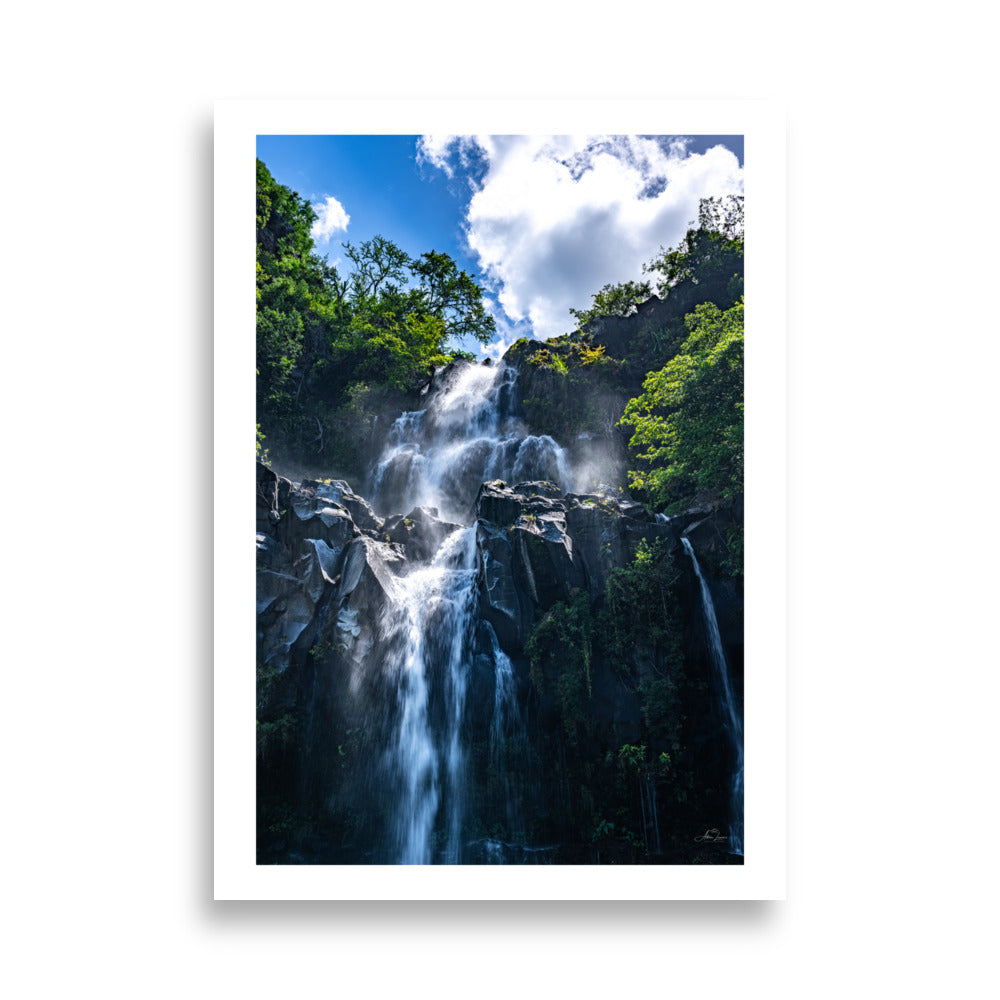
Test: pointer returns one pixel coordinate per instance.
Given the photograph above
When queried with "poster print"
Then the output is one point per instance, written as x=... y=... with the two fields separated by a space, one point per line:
x=501 y=503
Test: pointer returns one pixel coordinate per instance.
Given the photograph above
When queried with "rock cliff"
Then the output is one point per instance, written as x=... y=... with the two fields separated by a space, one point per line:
x=329 y=570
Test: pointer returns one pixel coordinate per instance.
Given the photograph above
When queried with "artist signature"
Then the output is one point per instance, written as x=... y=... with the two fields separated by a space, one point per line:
x=711 y=837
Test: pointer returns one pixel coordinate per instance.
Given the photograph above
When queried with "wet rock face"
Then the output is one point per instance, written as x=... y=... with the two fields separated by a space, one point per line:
x=331 y=573
x=420 y=532
x=272 y=496
x=545 y=567
x=326 y=559
x=338 y=492
x=502 y=603
x=314 y=518
x=538 y=546
x=360 y=600
x=316 y=559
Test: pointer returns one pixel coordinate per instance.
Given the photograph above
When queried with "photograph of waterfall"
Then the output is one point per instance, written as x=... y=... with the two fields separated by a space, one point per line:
x=500 y=500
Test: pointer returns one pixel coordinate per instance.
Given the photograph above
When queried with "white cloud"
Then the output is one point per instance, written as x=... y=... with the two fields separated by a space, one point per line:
x=447 y=151
x=436 y=151
x=330 y=219
x=557 y=217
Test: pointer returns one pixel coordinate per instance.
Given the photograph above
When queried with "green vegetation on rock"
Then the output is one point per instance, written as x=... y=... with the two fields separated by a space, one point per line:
x=688 y=422
x=614 y=775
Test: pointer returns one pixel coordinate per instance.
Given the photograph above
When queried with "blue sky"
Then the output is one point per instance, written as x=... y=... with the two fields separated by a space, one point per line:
x=543 y=221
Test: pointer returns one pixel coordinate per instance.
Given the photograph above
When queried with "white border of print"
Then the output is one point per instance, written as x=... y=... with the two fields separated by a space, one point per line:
x=237 y=876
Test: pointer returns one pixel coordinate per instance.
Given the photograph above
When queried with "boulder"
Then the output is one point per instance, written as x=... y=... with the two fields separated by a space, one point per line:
x=420 y=532
x=541 y=488
x=316 y=518
x=288 y=602
x=498 y=503
x=544 y=562
x=339 y=492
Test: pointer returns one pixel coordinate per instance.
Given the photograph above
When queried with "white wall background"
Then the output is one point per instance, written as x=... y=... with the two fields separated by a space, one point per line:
x=107 y=266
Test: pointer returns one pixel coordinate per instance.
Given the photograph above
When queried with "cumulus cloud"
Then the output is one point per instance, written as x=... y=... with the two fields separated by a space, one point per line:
x=554 y=218
x=330 y=219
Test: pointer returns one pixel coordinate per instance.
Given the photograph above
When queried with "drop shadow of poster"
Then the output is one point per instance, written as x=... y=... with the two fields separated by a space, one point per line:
x=518 y=501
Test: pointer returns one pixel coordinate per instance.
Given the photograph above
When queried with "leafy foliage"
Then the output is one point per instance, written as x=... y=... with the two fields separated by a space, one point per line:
x=688 y=422
x=614 y=300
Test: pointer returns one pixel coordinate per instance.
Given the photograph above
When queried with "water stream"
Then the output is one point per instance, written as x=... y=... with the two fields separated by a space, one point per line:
x=438 y=458
x=467 y=435
x=730 y=710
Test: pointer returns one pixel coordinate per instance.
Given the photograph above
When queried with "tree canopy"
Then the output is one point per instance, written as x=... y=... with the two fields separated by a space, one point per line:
x=327 y=341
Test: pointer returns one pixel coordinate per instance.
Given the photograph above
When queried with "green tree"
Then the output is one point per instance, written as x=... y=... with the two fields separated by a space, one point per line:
x=330 y=345
x=453 y=297
x=710 y=256
x=292 y=294
x=614 y=300
x=688 y=421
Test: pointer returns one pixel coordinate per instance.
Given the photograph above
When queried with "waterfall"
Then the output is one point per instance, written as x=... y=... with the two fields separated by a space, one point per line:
x=508 y=738
x=734 y=726
x=468 y=434
x=435 y=605
x=438 y=458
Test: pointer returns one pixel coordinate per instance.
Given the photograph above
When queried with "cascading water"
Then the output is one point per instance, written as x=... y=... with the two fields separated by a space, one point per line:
x=734 y=726
x=468 y=434
x=394 y=726
x=435 y=604
x=438 y=458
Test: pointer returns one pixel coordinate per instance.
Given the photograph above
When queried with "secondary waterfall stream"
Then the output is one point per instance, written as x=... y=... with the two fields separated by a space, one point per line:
x=437 y=458
x=734 y=726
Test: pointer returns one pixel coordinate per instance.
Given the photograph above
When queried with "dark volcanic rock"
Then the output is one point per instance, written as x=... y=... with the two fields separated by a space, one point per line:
x=339 y=492
x=311 y=555
x=421 y=532
x=273 y=492
x=618 y=334
x=538 y=547
x=498 y=503
x=538 y=488
x=606 y=532
x=545 y=566
x=315 y=517
x=287 y=601
x=502 y=603
x=363 y=596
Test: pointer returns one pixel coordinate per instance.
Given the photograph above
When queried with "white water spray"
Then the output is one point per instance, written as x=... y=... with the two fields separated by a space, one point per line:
x=468 y=435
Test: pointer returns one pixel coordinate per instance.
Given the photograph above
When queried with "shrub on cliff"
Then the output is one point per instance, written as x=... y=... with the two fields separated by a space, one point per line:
x=688 y=421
